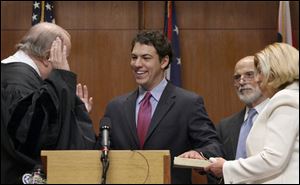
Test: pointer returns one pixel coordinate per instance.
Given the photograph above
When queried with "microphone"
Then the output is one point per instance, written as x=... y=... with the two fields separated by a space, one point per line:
x=105 y=125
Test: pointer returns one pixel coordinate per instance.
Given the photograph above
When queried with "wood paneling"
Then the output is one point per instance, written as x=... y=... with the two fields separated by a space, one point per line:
x=8 y=41
x=15 y=15
x=97 y=15
x=208 y=60
x=101 y=60
x=216 y=14
x=294 y=7
x=214 y=35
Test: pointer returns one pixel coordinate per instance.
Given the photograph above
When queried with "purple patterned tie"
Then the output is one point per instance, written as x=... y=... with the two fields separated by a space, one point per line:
x=144 y=118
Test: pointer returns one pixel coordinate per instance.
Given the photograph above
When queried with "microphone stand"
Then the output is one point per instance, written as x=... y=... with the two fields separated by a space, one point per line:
x=105 y=164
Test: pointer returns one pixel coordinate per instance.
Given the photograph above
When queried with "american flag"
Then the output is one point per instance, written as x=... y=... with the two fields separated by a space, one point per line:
x=284 y=23
x=42 y=11
x=172 y=31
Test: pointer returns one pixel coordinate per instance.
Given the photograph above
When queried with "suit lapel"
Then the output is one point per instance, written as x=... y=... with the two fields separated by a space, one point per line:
x=164 y=105
x=129 y=108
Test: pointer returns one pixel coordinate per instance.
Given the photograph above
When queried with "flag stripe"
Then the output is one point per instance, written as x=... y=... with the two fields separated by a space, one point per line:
x=169 y=21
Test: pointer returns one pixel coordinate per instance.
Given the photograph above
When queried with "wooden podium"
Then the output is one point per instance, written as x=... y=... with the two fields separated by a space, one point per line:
x=126 y=167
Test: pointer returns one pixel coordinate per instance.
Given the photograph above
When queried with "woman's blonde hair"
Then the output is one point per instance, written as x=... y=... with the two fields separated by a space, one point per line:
x=279 y=65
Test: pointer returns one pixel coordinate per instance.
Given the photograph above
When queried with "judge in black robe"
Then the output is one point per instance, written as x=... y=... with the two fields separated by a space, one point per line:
x=39 y=114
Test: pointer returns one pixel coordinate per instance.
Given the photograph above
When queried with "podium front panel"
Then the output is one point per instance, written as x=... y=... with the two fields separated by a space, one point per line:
x=126 y=167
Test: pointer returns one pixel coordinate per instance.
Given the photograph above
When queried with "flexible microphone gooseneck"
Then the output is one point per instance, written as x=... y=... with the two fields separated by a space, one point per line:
x=105 y=125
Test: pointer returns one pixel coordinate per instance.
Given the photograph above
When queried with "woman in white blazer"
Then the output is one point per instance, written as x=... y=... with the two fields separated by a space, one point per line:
x=273 y=142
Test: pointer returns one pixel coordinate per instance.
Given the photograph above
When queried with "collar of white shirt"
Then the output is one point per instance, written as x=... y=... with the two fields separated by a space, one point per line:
x=21 y=56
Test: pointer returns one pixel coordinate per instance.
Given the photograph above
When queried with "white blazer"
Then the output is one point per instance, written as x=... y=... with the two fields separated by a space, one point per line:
x=272 y=144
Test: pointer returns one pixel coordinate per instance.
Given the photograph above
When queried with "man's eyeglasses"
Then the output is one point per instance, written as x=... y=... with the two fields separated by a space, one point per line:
x=247 y=77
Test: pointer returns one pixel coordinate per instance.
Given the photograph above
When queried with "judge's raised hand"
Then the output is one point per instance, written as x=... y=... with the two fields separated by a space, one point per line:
x=58 y=55
x=83 y=94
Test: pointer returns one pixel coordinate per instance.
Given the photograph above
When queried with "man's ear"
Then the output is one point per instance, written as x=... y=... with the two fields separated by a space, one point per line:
x=45 y=62
x=165 y=62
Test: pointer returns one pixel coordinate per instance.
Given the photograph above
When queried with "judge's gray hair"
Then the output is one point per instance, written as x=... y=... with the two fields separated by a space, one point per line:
x=38 y=40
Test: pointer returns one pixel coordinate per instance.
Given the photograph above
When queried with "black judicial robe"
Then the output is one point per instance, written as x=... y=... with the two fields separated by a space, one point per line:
x=39 y=115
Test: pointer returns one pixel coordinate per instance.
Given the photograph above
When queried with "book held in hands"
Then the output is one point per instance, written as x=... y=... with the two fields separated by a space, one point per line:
x=190 y=163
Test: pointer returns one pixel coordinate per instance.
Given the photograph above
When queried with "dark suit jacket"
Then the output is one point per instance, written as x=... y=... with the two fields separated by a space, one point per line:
x=228 y=131
x=180 y=123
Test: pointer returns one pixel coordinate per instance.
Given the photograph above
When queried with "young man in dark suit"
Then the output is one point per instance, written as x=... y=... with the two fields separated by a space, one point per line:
x=159 y=115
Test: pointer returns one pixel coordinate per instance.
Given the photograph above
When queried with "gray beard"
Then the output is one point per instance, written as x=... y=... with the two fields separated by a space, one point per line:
x=248 y=99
